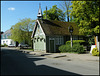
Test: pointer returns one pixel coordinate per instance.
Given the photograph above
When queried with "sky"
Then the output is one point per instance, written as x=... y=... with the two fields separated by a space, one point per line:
x=13 y=11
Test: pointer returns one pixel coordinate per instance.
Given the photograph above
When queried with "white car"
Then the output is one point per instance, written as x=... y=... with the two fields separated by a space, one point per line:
x=11 y=45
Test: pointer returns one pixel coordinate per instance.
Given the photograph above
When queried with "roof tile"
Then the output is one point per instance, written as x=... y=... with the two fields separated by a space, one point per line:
x=53 y=27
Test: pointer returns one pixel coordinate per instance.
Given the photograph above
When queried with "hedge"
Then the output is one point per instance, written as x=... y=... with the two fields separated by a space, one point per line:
x=77 y=48
x=75 y=41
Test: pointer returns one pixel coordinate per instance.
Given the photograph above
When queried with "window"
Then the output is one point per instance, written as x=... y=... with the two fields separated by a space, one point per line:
x=75 y=37
x=3 y=42
x=9 y=34
x=80 y=38
x=59 y=40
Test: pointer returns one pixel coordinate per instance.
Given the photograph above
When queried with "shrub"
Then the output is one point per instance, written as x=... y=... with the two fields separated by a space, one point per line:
x=68 y=48
x=65 y=48
x=95 y=52
x=5 y=45
x=62 y=48
x=91 y=41
x=80 y=49
x=77 y=48
x=76 y=41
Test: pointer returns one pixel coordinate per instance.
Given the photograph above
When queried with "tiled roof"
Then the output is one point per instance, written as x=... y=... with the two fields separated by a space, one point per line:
x=7 y=32
x=52 y=27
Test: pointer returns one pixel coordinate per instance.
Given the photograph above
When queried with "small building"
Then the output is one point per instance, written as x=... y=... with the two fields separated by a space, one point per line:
x=5 y=38
x=48 y=35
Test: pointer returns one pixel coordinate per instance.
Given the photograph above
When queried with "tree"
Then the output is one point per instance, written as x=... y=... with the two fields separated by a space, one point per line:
x=54 y=13
x=86 y=15
x=65 y=5
x=22 y=31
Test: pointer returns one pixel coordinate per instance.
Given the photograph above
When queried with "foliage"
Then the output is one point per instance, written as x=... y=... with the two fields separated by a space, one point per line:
x=54 y=13
x=95 y=52
x=5 y=45
x=76 y=41
x=65 y=48
x=22 y=31
x=77 y=48
x=91 y=41
x=86 y=15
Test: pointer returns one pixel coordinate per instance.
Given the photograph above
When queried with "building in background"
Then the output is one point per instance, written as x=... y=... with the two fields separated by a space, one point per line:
x=5 y=38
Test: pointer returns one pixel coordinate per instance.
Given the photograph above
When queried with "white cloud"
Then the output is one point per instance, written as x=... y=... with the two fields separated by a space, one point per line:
x=11 y=9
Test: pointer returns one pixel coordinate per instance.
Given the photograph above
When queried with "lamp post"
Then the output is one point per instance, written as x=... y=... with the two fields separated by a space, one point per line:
x=70 y=28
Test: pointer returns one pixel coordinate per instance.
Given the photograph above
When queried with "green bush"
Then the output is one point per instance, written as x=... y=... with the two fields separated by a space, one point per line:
x=5 y=45
x=76 y=41
x=77 y=48
x=81 y=42
x=95 y=52
x=64 y=48
x=91 y=41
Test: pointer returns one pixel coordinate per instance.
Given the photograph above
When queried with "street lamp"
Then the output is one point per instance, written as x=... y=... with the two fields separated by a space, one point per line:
x=70 y=28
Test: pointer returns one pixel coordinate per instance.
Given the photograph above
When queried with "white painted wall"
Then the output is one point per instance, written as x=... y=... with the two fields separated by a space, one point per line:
x=7 y=41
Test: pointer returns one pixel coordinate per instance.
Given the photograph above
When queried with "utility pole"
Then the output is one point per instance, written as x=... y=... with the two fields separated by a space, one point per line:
x=70 y=28
x=71 y=40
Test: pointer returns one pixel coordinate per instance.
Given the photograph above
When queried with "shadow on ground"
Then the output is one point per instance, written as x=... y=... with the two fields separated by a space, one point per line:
x=17 y=63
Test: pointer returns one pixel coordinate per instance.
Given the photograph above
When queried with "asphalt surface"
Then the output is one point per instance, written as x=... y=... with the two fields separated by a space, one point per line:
x=15 y=62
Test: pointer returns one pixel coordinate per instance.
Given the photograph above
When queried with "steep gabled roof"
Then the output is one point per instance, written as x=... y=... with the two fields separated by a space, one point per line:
x=53 y=27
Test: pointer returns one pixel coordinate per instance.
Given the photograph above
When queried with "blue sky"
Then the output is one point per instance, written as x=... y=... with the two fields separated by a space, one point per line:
x=13 y=11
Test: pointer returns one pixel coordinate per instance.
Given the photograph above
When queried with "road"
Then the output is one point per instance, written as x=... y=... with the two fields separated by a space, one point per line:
x=17 y=63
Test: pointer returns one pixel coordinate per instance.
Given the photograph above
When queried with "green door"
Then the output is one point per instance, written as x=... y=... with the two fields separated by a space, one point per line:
x=51 y=46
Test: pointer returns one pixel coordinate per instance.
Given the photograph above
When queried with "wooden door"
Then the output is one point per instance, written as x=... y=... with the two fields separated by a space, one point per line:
x=51 y=46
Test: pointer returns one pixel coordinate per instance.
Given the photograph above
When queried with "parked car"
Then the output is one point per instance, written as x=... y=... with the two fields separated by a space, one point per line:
x=23 y=45
x=11 y=45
